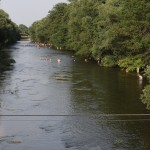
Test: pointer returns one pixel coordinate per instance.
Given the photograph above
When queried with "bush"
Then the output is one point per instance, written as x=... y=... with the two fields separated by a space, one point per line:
x=147 y=72
x=145 y=97
x=130 y=63
x=108 y=61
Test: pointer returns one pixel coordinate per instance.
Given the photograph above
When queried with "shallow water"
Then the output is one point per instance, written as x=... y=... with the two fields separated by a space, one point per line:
x=72 y=104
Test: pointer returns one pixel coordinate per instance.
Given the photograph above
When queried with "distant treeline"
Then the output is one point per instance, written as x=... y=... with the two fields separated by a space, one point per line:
x=24 y=31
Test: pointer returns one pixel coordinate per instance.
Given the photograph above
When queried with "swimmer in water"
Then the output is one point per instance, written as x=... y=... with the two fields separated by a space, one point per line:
x=140 y=77
x=58 y=60
x=85 y=60
x=127 y=70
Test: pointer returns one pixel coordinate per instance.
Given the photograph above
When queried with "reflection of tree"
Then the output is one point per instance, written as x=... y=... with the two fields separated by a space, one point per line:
x=5 y=60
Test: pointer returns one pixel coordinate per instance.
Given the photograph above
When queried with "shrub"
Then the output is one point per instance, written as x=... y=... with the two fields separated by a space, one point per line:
x=130 y=63
x=145 y=97
x=108 y=61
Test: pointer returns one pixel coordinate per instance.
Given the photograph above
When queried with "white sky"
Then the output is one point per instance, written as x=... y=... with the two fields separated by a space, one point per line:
x=27 y=11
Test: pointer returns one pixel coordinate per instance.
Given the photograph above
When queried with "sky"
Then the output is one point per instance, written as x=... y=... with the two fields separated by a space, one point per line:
x=27 y=11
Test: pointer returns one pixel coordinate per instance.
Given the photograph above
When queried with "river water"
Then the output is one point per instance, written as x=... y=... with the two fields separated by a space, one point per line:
x=69 y=105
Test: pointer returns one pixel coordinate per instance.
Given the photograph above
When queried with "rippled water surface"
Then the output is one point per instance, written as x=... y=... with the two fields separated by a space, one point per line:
x=69 y=105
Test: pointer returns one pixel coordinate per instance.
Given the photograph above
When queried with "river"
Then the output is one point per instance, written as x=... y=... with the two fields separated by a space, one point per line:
x=69 y=105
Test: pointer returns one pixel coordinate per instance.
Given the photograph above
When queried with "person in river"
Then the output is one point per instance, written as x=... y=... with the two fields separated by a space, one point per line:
x=138 y=73
x=58 y=60
x=127 y=70
x=86 y=60
x=140 y=77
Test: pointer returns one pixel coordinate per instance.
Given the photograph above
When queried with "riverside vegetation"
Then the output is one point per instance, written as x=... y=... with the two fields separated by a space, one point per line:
x=9 y=34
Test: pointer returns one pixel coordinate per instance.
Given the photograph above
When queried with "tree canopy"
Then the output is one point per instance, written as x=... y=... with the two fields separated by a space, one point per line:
x=9 y=31
x=146 y=92
x=24 y=31
x=110 y=31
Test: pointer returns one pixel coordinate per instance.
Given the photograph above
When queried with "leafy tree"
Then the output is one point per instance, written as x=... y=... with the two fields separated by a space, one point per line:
x=53 y=28
x=83 y=26
x=33 y=32
x=23 y=30
x=145 y=97
x=9 y=33
x=109 y=61
x=131 y=63
x=110 y=31
x=37 y=31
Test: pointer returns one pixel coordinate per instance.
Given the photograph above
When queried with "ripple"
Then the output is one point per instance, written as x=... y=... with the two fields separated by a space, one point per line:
x=63 y=76
x=48 y=129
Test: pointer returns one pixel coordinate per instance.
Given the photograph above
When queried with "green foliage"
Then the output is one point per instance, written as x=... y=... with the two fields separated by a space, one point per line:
x=24 y=31
x=146 y=57
x=108 y=61
x=145 y=97
x=147 y=72
x=98 y=29
x=53 y=28
x=130 y=63
x=83 y=26
x=9 y=31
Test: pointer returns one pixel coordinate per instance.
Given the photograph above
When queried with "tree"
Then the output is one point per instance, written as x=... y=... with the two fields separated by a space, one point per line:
x=23 y=30
x=82 y=26
x=9 y=33
x=53 y=28
x=131 y=63
x=106 y=30
x=145 y=97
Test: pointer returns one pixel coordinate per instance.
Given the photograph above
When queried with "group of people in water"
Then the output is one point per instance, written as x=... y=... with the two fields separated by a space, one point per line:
x=47 y=59
x=38 y=45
